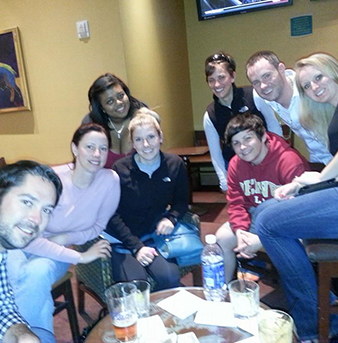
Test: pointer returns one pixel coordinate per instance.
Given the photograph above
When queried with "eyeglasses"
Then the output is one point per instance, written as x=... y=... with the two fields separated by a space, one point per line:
x=219 y=57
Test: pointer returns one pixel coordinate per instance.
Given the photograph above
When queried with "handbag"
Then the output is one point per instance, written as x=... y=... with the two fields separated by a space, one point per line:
x=318 y=186
x=184 y=244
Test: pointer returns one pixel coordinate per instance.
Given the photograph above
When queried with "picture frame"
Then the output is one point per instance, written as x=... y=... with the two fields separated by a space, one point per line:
x=14 y=94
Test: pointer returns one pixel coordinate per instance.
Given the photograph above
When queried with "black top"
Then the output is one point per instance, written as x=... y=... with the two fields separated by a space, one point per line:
x=333 y=133
x=220 y=115
x=144 y=200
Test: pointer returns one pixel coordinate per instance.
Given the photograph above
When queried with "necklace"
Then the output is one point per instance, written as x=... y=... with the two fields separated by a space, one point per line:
x=115 y=129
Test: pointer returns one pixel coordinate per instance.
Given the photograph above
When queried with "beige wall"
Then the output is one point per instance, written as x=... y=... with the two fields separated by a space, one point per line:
x=242 y=35
x=149 y=54
x=60 y=69
x=156 y=53
x=144 y=42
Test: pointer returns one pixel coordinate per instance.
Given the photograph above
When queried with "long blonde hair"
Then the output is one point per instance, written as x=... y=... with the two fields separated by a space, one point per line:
x=316 y=116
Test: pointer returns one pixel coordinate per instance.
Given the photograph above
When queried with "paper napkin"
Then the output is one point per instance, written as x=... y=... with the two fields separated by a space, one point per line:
x=182 y=304
x=151 y=330
x=216 y=313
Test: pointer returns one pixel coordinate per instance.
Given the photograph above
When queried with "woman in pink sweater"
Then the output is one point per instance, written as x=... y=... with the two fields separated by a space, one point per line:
x=90 y=197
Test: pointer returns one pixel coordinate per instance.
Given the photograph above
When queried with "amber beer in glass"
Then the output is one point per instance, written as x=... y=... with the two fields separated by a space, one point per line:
x=121 y=303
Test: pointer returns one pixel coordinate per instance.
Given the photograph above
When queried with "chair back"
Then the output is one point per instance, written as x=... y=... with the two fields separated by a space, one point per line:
x=2 y=162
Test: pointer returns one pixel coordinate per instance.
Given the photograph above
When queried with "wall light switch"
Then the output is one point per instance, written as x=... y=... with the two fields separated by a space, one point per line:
x=82 y=29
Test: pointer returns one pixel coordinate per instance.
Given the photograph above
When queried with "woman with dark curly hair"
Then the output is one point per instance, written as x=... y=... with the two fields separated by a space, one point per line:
x=112 y=106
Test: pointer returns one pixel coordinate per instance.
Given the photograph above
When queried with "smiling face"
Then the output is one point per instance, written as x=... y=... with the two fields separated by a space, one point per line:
x=115 y=103
x=268 y=81
x=25 y=211
x=92 y=151
x=147 y=143
x=220 y=82
x=317 y=86
x=248 y=147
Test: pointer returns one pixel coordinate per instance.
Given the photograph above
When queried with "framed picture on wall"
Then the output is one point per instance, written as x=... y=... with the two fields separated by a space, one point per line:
x=13 y=86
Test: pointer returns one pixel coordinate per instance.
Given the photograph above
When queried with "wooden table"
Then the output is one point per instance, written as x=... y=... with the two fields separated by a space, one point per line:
x=189 y=151
x=207 y=333
x=186 y=153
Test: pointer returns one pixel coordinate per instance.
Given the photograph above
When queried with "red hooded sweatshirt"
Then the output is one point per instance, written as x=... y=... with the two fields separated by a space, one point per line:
x=249 y=185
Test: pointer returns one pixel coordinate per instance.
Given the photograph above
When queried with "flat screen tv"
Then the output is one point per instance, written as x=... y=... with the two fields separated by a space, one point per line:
x=210 y=9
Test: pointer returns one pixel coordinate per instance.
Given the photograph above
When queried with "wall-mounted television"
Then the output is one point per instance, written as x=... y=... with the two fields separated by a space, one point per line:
x=210 y=9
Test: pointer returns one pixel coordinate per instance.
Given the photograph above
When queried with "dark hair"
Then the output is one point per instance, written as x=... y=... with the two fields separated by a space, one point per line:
x=12 y=175
x=266 y=54
x=242 y=122
x=99 y=86
x=86 y=128
x=219 y=58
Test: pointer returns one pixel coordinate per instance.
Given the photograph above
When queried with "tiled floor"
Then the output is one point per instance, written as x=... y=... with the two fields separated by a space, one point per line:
x=215 y=204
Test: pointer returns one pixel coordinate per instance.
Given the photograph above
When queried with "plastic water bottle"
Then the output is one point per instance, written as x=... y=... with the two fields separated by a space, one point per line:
x=213 y=270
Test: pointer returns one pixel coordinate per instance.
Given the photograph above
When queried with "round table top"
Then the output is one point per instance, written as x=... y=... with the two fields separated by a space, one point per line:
x=205 y=333
x=189 y=151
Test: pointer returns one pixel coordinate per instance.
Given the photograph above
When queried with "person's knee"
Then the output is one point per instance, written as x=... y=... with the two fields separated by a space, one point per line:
x=39 y=271
x=174 y=280
x=262 y=221
x=126 y=268
x=264 y=215
x=226 y=238
x=173 y=276
x=167 y=277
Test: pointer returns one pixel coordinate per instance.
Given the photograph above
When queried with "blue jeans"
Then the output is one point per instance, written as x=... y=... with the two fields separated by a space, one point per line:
x=226 y=163
x=44 y=335
x=31 y=278
x=280 y=226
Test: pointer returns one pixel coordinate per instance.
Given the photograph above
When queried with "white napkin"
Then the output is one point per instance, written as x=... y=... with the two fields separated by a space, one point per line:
x=182 y=304
x=216 y=313
x=252 y=339
x=249 y=325
x=151 y=330
x=188 y=337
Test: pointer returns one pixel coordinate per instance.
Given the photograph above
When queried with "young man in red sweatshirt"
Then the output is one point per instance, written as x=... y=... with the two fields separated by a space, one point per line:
x=263 y=162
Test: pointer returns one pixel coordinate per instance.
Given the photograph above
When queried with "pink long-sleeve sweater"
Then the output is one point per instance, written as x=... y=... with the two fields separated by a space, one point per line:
x=81 y=214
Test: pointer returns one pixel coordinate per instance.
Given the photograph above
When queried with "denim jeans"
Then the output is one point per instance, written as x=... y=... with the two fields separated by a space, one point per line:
x=31 y=278
x=44 y=335
x=280 y=225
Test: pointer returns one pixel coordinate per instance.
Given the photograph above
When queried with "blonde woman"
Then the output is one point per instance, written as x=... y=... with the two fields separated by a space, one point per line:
x=317 y=83
x=154 y=196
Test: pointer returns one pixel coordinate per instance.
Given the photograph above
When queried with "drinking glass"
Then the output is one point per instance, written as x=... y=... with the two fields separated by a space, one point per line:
x=275 y=326
x=121 y=305
x=244 y=297
x=142 y=297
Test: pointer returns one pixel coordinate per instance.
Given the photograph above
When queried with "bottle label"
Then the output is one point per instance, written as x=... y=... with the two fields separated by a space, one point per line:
x=213 y=275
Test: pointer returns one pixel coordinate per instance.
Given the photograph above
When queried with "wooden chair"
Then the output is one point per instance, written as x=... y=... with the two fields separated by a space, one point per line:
x=95 y=277
x=2 y=162
x=324 y=252
x=63 y=287
x=202 y=171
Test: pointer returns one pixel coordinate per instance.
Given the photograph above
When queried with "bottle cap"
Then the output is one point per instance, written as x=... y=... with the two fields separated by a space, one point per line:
x=210 y=239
